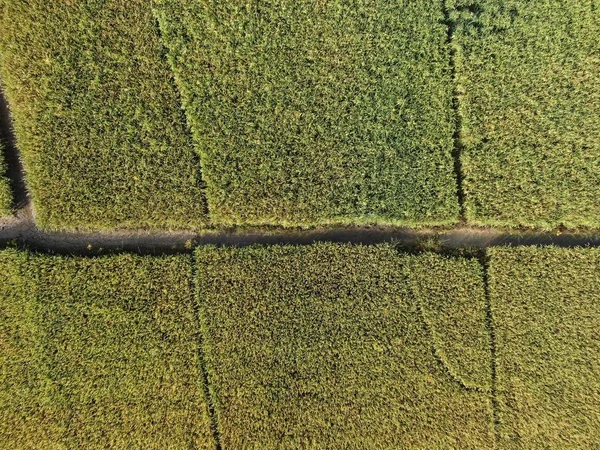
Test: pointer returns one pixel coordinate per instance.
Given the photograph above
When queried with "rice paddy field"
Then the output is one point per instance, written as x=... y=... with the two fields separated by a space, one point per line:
x=97 y=117
x=309 y=112
x=321 y=346
x=100 y=353
x=528 y=74
x=344 y=352
x=546 y=315
x=397 y=158
x=180 y=114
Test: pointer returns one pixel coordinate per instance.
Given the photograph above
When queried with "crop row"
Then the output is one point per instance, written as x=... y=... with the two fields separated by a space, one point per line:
x=323 y=346
x=304 y=112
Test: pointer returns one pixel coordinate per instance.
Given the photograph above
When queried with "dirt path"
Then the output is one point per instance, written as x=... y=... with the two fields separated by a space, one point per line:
x=23 y=232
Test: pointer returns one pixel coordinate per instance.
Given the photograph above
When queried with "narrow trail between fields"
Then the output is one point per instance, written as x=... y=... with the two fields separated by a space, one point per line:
x=23 y=232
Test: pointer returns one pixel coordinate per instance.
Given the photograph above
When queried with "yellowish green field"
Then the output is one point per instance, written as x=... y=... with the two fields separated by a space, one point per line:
x=97 y=116
x=307 y=113
x=528 y=76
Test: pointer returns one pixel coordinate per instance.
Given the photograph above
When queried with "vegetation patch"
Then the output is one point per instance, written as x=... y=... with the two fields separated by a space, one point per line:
x=529 y=85
x=547 y=316
x=336 y=346
x=96 y=116
x=451 y=296
x=5 y=195
x=309 y=112
x=24 y=391
x=111 y=354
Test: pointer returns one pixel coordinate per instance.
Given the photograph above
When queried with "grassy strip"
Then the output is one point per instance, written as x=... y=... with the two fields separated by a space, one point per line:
x=529 y=74
x=326 y=346
x=547 y=316
x=309 y=112
x=96 y=115
x=119 y=351
x=5 y=195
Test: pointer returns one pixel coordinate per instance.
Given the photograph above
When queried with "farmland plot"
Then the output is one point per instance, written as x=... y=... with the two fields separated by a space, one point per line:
x=529 y=82
x=334 y=346
x=96 y=116
x=546 y=310
x=115 y=344
x=311 y=112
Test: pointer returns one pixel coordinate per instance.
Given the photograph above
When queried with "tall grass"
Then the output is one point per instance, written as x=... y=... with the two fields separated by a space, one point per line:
x=97 y=116
x=309 y=113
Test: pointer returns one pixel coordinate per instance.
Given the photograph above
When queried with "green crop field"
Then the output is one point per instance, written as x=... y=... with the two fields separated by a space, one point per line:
x=546 y=311
x=529 y=82
x=335 y=346
x=100 y=353
x=97 y=116
x=319 y=346
x=444 y=131
x=23 y=385
x=5 y=195
x=306 y=112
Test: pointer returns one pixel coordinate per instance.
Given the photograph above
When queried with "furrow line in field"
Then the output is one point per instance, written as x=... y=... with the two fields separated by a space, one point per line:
x=202 y=359
x=492 y=334
x=456 y=137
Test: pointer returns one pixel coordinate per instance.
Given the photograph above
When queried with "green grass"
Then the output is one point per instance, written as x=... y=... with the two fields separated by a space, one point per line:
x=307 y=112
x=529 y=85
x=5 y=195
x=97 y=116
x=107 y=350
x=546 y=311
x=337 y=346
x=25 y=407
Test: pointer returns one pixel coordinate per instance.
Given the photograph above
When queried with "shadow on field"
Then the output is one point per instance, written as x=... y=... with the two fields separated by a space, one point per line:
x=23 y=233
x=12 y=158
